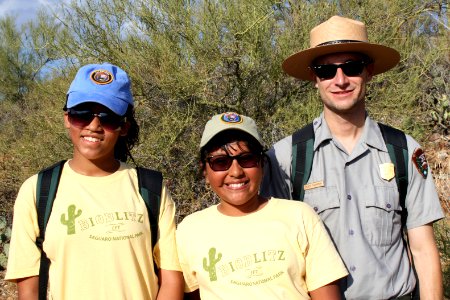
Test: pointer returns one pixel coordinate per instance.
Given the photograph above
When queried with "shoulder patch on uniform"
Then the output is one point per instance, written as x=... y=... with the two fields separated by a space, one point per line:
x=420 y=161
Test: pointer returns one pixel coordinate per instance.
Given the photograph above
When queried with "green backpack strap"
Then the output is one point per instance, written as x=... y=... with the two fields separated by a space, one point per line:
x=47 y=185
x=397 y=147
x=150 y=187
x=302 y=158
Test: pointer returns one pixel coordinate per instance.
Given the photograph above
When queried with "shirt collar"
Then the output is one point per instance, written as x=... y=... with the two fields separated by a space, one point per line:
x=371 y=134
x=321 y=131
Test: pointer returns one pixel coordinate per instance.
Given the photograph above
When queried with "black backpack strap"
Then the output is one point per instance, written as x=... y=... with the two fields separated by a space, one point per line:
x=396 y=144
x=47 y=185
x=150 y=187
x=302 y=158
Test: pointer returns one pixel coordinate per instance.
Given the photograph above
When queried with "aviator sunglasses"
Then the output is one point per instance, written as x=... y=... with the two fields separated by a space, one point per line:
x=350 y=68
x=223 y=162
x=82 y=118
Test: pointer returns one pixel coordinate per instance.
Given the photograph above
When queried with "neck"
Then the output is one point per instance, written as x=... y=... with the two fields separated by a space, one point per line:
x=94 y=168
x=346 y=128
x=242 y=210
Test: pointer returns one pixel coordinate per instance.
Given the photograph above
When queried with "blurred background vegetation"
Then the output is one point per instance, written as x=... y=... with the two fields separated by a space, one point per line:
x=189 y=60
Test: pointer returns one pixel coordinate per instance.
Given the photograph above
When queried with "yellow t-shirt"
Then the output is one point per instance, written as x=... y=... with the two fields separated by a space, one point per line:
x=97 y=238
x=279 y=252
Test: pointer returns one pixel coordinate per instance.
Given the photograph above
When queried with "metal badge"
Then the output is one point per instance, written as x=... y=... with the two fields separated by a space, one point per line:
x=387 y=171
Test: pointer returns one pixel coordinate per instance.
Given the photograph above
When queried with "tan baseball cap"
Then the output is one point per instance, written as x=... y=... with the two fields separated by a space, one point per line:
x=227 y=121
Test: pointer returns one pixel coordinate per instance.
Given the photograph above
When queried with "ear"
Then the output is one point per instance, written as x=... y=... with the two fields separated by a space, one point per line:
x=313 y=77
x=204 y=173
x=369 y=69
x=316 y=83
x=66 y=120
x=124 y=128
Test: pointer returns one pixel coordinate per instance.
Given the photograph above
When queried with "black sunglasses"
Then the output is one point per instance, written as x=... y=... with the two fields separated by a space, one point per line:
x=223 y=162
x=82 y=118
x=350 y=68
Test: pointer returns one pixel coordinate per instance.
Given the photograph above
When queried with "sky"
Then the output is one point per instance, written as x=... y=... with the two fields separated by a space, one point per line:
x=24 y=10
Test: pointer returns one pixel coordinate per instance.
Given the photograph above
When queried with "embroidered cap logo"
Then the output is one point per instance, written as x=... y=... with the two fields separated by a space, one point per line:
x=101 y=77
x=231 y=117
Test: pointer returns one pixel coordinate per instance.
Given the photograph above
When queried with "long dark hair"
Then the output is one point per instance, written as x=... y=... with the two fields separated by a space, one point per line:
x=122 y=149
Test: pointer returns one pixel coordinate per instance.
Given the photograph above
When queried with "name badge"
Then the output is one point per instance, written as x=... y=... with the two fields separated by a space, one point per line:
x=313 y=185
x=387 y=171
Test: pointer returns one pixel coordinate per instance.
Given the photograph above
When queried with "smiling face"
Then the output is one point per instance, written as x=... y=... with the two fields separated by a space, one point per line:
x=92 y=142
x=343 y=94
x=237 y=187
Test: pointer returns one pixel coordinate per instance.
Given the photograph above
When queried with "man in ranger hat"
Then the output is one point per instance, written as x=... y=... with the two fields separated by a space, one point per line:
x=353 y=181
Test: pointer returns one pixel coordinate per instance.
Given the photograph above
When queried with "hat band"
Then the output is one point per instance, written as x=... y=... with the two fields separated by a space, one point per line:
x=339 y=42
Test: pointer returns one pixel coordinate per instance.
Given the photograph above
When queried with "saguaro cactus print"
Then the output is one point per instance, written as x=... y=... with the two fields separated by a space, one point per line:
x=211 y=268
x=71 y=216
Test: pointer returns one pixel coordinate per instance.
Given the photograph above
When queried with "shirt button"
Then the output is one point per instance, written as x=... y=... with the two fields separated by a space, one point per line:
x=349 y=197
x=388 y=205
x=316 y=208
x=351 y=232
x=352 y=268
x=315 y=122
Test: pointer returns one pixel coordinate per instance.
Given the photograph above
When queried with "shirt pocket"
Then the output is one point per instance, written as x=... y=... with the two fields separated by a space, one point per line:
x=382 y=221
x=325 y=202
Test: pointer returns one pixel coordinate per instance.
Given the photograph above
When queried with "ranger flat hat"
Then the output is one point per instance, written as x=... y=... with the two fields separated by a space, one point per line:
x=339 y=34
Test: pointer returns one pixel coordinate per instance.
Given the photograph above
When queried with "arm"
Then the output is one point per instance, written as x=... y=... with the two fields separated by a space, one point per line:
x=329 y=292
x=195 y=295
x=28 y=288
x=426 y=261
x=171 y=285
x=171 y=282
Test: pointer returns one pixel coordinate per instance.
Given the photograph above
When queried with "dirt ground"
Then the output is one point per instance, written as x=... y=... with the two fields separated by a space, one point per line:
x=8 y=290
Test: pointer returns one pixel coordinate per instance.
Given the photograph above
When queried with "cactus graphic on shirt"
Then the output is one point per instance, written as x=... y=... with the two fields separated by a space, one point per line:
x=71 y=216
x=211 y=268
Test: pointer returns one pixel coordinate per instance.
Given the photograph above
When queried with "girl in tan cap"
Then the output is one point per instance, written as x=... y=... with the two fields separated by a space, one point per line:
x=248 y=246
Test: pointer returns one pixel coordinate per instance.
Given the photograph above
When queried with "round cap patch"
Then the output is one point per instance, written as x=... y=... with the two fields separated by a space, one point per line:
x=101 y=77
x=231 y=117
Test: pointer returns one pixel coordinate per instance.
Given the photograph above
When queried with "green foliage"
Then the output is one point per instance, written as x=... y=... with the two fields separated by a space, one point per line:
x=16 y=71
x=5 y=237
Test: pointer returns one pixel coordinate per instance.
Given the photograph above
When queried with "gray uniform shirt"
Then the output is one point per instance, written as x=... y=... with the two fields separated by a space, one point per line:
x=360 y=209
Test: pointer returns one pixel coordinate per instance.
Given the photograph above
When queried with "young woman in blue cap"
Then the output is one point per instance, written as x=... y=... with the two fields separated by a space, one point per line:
x=247 y=246
x=98 y=236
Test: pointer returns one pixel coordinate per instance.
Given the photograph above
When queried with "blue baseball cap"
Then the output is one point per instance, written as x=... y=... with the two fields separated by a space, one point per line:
x=105 y=84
